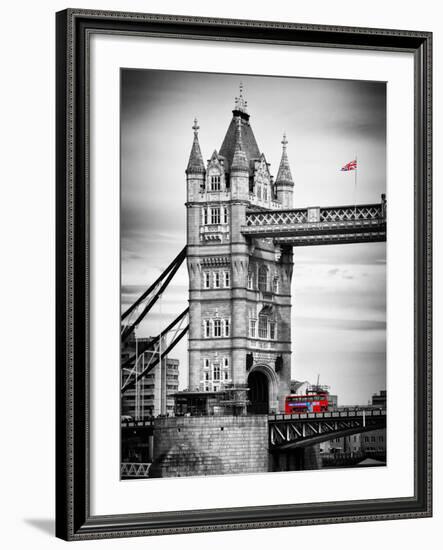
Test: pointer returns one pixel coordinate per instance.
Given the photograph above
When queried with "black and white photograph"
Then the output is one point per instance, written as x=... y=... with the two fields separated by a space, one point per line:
x=253 y=274
x=219 y=245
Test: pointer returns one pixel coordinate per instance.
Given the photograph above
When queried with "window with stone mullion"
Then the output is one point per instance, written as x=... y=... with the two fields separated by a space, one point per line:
x=215 y=215
x=263 y=326
x=217 y=328
x=263 y=278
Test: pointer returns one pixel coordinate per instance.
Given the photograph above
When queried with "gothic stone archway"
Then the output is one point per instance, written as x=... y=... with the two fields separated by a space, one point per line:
x=263 y=385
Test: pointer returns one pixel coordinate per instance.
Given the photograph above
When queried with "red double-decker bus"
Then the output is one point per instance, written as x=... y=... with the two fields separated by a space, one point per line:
x=315 y=400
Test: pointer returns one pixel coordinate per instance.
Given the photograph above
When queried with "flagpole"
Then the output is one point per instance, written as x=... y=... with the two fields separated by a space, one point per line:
x=355 y=184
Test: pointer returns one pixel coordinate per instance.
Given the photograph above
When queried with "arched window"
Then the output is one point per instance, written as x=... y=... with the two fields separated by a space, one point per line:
x=227 y=328
x=207 y=328
x=272 y=334
x=275 y=285
x=263 y=278
x=215 y=215
x=215 y=183
x=216 y=371
x=263 y=326
x=252 y=325
x=217 y=328
x=250 y=279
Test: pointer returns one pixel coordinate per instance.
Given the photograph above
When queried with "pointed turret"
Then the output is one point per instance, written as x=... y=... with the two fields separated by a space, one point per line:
x=195 y=172
x=248 y=142
x=239 y=160
x=284 y=176
x=284 y=183
x=195 y=164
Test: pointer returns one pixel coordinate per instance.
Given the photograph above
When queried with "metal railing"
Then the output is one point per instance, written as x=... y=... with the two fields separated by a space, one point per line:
x=132 y=423
x=283 y=217
x=134 y=469
x=352 y=213
x=315 y=215
x=347 y=413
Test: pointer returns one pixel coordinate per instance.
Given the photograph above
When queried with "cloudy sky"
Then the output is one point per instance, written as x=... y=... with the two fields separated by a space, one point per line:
x=339 y=292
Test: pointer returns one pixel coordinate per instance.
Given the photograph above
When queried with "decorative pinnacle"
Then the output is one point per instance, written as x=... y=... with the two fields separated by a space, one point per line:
x=195 y=164
x=240 y=103
x=284 y=176
x=195 y=127
x=284 y=141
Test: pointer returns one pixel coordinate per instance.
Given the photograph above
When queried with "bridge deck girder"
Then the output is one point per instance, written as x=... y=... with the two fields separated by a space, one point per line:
x=311 y=226
x=320 y=228
x=328 y=239
x=288 y=432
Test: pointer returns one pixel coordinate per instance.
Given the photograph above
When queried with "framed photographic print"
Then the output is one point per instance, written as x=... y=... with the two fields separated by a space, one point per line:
x=243 y=274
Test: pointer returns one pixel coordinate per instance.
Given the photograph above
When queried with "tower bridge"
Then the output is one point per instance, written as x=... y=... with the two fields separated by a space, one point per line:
x=241 y=232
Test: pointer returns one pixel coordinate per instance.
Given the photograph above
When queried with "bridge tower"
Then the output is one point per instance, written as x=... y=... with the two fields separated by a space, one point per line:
x=239 y=286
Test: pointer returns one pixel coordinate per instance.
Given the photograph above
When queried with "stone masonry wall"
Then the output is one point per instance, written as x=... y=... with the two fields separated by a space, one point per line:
x=211 y=445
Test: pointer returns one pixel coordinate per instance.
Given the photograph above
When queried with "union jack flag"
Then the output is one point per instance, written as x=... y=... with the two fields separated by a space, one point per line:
x=350 y=166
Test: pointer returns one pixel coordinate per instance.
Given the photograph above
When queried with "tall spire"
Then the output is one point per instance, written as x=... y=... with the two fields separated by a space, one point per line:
x=240 y=102
x=284 y=176
x=195 y=164
x=241 y=105
x=239 y=161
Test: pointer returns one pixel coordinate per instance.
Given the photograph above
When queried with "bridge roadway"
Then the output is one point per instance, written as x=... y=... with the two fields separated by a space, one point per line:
x=292 y=431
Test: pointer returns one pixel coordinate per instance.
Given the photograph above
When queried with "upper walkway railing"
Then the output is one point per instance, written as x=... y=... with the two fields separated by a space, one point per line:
x=304 y=226
x=356 y=412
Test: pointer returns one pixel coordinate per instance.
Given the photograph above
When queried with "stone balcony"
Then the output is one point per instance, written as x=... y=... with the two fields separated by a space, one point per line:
x=209 y=196
x=214 y=232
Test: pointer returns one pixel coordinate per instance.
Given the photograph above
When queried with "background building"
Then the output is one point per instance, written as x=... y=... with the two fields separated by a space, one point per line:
x=379 y=399
x=298 y=387
x=155 y=391
x=366 y=444
x=375 y=442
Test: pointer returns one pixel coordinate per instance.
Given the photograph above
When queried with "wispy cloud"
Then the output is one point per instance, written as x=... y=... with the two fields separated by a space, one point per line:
x=338 y=324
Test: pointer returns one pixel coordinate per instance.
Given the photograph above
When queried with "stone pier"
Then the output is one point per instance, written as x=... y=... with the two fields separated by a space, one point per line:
x=307 y=458
x=210 y=445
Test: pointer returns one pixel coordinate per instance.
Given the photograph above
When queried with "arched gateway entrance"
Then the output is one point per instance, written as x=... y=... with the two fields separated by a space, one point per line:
x=258 y=393
x=262 y=395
